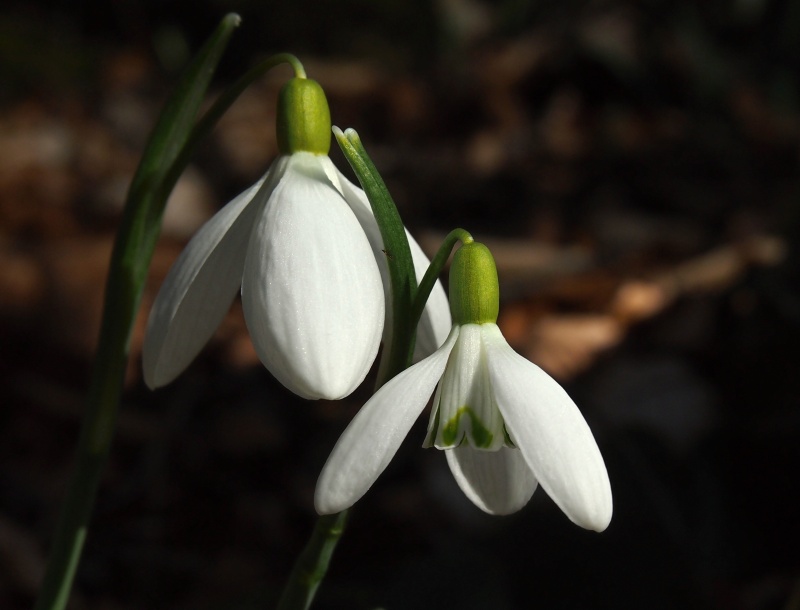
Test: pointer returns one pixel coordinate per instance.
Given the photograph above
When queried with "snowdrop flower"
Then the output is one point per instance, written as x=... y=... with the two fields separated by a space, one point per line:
x=305 y=250
x=504 y=424
x=311 y=291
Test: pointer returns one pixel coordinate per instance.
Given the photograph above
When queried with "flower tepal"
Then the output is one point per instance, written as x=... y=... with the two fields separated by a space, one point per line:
x=503 y=423
x=311 y=289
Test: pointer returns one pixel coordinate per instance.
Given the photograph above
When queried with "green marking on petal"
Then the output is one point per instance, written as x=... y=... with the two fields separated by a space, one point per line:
x=480 y=436
x=450 y=430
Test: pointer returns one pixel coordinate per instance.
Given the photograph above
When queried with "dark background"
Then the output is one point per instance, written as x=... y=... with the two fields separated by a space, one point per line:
x=633 y=165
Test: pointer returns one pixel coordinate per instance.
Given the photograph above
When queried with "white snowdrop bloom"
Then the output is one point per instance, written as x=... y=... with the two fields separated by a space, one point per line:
x=306 y=254
x=504 y=424
x=311 y=291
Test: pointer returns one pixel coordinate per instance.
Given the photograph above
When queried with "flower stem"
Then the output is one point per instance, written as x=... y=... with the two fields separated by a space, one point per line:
x=232 y=93
x=311 y=566
x=434 y=270
x=130 y=261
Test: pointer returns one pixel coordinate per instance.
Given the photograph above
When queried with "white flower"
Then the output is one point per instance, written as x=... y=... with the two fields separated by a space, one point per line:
x=311 y=290
x=503 y=422
x=302 y=244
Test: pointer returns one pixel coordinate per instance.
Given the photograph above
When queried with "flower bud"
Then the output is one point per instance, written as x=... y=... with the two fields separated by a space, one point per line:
x=303 y=118
x=474 y=290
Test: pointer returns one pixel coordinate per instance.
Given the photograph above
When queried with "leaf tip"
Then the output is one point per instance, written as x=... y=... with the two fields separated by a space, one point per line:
x=233 y=20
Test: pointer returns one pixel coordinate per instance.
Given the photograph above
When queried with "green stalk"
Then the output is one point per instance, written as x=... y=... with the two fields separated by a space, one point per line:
x=434 y=271
x=312 y=565
x=130 y=261
x=206 y=124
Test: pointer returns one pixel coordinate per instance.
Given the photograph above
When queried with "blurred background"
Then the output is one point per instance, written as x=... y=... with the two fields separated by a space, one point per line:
x=633 y=166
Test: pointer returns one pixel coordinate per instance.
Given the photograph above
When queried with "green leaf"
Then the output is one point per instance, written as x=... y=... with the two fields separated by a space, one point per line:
x=146 y=200
x=398 y=254
x=141 y=225
x=133 y=249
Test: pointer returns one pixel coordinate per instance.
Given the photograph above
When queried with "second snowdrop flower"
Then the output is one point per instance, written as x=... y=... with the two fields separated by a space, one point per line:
x=503 y=423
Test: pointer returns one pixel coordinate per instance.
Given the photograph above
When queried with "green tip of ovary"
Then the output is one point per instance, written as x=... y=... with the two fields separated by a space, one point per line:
x=474 y=289
x=303 y=118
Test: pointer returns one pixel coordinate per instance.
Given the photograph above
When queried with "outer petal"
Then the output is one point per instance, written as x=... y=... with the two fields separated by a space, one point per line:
x=200 y=287
x=551 y=433
x=435 y=323
x=498 y=482
x=370 y=441
x=311 y=291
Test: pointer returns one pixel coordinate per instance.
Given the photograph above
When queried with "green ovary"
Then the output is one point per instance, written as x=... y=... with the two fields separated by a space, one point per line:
x=479 y=436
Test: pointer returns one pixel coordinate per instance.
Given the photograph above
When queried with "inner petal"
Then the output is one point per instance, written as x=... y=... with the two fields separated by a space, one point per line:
x=464 y=410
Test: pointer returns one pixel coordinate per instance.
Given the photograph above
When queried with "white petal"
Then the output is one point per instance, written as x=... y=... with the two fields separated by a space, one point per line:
x=435 y=323
x=311 y=291
x=551 y=433
x=199 y=288
x=370 y=441
x=497 y=482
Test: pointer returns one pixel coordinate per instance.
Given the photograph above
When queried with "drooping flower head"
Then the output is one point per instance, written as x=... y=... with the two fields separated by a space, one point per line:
x=504 y=424
x=303 y=247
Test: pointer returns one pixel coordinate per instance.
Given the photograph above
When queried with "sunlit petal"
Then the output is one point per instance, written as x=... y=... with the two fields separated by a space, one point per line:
x=498 y=482
x=551 y=433
x=370 y=441
x=311 y=291
x=200 y=287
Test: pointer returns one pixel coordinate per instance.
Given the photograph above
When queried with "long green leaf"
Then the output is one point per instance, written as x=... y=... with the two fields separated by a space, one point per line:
x=133 y=250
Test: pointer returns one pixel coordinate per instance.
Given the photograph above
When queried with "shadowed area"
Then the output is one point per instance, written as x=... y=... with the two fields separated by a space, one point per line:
x=633 y=168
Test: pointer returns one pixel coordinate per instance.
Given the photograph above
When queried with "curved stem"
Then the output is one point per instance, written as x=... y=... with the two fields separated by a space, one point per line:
x=297 y=66
x=220 y=106
x=434 y=270
x=311 y=566
x=232 y=93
